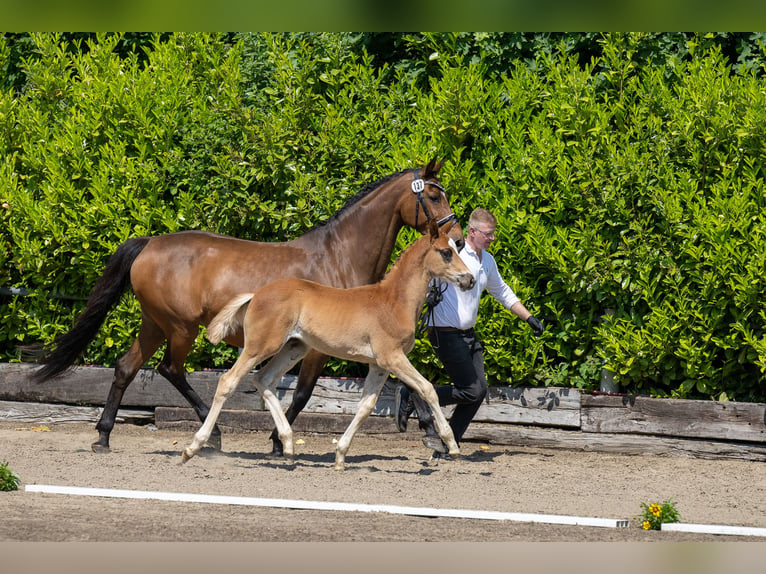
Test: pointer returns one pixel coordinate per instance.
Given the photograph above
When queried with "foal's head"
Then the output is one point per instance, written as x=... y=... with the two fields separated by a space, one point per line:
x=442 y=260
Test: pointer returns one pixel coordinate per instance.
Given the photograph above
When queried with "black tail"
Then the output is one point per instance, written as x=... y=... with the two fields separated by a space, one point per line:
x=115 y=279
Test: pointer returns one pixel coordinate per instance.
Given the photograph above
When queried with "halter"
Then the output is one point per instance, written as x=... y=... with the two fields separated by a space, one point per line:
x=418 y=185
x=436 y=290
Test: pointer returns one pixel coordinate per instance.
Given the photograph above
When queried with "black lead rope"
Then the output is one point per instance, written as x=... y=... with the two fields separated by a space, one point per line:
x=434 y=297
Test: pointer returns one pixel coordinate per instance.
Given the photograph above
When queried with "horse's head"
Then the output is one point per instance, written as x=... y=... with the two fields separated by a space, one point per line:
x=442 y=260
x=425 y=200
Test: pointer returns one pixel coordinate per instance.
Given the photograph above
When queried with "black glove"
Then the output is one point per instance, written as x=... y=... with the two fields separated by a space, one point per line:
x=537 y=326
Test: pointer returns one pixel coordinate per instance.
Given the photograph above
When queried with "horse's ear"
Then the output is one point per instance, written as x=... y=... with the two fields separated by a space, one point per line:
x=433 y=228
x=433 y=167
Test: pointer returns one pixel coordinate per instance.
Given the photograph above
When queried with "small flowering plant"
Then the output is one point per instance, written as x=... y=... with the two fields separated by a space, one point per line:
x=8 y=479
x=654 y=514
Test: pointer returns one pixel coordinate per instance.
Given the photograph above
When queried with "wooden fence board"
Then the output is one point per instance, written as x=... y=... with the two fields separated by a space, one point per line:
x=601 y=422
x=90 y=386
x=44 y=413
x=617 y=443
x=547 y=406
x=674 y=417
x=184 y=418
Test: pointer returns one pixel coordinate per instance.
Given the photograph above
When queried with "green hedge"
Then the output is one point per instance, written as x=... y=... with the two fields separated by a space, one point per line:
x=628 y=187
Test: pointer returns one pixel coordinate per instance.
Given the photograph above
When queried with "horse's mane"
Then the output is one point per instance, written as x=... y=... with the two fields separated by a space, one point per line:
x=408 y=252
x=357 y=197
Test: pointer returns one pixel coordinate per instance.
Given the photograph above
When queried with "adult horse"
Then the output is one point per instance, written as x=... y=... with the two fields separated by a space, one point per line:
x=373 y=324
x=182 y=280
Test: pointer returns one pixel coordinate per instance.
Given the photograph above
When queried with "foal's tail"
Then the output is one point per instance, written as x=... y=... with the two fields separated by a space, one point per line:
x=105 y=293
x=229 y=319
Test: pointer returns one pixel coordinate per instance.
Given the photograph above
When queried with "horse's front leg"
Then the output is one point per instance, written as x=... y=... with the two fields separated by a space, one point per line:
x=373 y=384
x=405 y=372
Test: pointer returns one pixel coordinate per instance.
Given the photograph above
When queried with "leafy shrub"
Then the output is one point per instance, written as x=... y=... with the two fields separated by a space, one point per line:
x=626 y=172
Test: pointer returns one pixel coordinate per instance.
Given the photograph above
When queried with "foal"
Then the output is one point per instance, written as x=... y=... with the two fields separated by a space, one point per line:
x=373 y=324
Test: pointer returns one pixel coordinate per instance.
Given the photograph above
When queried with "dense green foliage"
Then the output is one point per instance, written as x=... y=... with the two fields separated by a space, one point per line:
x=626 y=172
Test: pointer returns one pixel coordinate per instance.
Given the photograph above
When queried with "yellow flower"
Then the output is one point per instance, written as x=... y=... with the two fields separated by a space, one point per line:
x=646 y=525
x=655 y=509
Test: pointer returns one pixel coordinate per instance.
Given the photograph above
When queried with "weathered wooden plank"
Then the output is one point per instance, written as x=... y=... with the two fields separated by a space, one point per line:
x=90 y=386
x=238 y=420
x=618 y=443
x=565 y=408
x=674 y=417
x=556 y=407
x=524 y=405
x=48 y=413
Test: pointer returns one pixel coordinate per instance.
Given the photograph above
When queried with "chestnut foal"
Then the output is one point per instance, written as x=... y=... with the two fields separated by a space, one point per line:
x=373 y=324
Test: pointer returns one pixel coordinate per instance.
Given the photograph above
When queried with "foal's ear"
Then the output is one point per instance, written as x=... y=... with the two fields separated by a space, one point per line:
x=433 y=229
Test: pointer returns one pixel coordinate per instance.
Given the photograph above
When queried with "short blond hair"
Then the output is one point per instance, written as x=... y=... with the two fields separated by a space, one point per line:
x=481 y=215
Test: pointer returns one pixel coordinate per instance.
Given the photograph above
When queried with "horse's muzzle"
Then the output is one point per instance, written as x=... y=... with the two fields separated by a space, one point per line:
x=466 y=281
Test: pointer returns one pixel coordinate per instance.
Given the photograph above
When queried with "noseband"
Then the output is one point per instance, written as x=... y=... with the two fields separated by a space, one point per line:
x=418 y=186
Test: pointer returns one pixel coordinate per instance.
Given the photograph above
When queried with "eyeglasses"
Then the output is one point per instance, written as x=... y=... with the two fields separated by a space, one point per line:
x=490 y=235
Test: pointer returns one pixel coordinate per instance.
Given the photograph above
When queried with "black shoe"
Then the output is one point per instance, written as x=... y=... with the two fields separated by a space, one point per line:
x=403 y=407
x=435 y=443
x=440 y=456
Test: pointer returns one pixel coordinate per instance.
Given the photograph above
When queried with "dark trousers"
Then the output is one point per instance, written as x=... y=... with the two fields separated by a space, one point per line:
x=462 y=355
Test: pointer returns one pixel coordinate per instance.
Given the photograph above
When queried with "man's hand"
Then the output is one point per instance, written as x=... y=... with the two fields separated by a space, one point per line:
x=537 y=326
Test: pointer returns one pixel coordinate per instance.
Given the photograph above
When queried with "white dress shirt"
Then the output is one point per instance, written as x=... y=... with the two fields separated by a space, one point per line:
x=460 y=309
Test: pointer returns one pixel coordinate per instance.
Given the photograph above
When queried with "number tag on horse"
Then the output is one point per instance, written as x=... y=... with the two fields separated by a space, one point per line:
x=418 y=186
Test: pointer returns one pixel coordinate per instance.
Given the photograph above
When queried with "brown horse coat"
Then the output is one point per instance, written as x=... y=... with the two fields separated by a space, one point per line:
x=182 y=280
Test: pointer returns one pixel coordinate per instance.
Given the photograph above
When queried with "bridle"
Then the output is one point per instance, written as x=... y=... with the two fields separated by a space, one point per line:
x=418 y=185
x=436 y=290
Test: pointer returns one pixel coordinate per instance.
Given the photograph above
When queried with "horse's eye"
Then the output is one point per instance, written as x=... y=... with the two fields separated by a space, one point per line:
x=447 y=254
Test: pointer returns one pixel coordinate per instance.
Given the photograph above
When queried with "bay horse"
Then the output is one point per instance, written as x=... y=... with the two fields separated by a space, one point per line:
x=182 y=280
x=373 y=324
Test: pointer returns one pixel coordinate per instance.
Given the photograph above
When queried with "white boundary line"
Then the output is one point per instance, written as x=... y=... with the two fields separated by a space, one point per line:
x=714 y=529
x=318 y=505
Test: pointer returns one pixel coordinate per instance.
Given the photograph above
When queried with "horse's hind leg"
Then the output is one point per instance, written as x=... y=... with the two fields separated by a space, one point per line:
x=148 y=341
x=266 y=380
x=172 y=368
x=373 y=384
x=311 y=368
x=226 y=385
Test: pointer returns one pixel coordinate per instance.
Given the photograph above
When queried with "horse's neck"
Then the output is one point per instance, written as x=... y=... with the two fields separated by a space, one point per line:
x=407 y=281
x=363 y=237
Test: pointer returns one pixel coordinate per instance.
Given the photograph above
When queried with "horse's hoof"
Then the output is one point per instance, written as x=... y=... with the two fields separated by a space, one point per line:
x=214 y=442
x=185 y=457
x=99 y=448
x=339 y=467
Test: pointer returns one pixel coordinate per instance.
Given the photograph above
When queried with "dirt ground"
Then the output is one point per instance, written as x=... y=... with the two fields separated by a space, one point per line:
x=390 y=469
